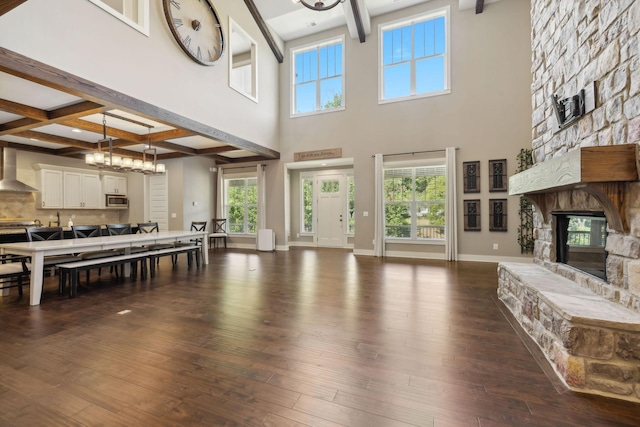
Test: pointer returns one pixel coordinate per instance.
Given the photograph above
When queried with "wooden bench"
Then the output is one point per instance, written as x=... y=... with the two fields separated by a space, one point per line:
x=189 y=250
x=71 y=269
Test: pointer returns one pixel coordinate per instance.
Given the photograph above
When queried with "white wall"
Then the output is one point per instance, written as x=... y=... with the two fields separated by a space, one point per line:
x=80 y=38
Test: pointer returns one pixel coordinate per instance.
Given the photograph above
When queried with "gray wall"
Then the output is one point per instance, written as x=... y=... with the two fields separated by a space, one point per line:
x=487 y=115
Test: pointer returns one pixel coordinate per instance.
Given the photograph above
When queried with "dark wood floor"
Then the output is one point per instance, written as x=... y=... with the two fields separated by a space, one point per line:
x=305 y=337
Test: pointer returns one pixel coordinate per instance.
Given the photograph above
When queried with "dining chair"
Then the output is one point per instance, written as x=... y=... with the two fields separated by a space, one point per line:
x=152 y=227
x=39 y=234
x=13 y=270
x=195 y=226
x=120 y=229
x=219 y=226
x=88 y=231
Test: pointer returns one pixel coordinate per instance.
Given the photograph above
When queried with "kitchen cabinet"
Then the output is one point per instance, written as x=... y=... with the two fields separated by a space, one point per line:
x=50 y=185
x=112 y=184
x=81 y=190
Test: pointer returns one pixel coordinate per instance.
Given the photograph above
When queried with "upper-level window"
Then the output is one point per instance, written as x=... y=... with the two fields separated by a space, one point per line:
x=134 y=13
x=318 y=78
x=415 y=57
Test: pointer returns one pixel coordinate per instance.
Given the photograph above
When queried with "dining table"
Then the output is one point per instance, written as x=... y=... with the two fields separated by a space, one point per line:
x=37 y=251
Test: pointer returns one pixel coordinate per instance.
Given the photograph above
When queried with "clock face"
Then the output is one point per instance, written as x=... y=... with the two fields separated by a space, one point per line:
x=196 y=28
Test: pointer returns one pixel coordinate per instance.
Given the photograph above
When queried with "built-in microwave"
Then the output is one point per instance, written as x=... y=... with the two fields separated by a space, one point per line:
x=116 y=201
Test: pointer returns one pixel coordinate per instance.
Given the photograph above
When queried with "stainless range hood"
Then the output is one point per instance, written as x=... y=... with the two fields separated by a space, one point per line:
x=8 y=174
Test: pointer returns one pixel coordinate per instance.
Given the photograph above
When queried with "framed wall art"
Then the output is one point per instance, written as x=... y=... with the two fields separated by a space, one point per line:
x=472 y=215
x=498 y=175
x=471 y=175
x=497 y=214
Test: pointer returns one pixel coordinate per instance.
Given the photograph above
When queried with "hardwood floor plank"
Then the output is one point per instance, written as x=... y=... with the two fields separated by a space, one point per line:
x=308 y=337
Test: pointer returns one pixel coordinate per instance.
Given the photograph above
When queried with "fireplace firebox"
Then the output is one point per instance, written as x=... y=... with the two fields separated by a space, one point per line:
x=581 y=240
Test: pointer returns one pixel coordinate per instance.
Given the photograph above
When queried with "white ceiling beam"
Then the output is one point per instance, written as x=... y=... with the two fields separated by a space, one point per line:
x=364 y=17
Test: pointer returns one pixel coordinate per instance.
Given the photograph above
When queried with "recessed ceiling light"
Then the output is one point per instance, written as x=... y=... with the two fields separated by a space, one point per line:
x=76 y=130
x=310 y=24
x=34 y=139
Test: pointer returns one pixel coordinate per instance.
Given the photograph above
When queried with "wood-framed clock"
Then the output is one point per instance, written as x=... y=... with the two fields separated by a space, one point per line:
x=197 y=29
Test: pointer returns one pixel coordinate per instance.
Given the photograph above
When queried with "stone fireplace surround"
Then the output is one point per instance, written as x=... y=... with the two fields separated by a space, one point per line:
x=587 y=328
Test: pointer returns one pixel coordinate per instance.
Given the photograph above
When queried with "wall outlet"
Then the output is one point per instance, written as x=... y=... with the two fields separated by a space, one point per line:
x=495 y=246
x=174 y=215
x=365 y=213
x=297 y=234
x=73 y=216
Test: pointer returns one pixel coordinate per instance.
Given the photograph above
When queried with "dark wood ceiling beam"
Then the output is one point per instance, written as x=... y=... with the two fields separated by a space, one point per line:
x=54 y=116
x=8 y=5
x=23 y=110
x=175 y=147
x=167 y=134
x=358 y=20
x=23 y=124
x=215 y=150
x=24 y=147
x=479 y=6
x=21 y=66
x=82 y=108
x=247 y=159
x=113 y=132
x=74 y=146
x=265 y=30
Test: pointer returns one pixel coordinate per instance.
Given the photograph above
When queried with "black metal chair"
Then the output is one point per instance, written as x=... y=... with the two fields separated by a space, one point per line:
x=120 y=229
x=219 y=232
x=38 y=234
x=13 y=270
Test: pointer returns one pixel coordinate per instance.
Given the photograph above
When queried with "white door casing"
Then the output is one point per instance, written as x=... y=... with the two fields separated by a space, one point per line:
x=157 y=206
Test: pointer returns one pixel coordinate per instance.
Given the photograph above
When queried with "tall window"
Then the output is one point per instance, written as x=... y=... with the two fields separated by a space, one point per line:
x=241 y=205
x=318 y=83
x=414 y=202
x=307 y=205
x=415 y=57
x=351 y=205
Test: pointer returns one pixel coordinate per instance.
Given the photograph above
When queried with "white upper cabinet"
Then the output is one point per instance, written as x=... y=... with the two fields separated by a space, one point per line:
x=50 y=195
x=112 y=184
x=81 y=190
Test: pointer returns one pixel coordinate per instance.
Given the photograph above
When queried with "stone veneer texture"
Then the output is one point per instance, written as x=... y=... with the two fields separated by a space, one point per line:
x=575 y=43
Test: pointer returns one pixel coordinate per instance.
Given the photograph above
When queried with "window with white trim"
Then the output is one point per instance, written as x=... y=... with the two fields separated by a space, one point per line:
x=318 y=78
x=414 y=57
x=241 y=204
x=307 y=211
x=415 y=202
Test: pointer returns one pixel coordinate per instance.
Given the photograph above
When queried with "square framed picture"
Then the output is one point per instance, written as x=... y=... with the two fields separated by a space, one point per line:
x=498 y=175
x=472 y=215
x=497 y=214
x=471 y=175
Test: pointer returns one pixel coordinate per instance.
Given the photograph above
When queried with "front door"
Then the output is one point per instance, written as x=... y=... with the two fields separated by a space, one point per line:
x=331 y=211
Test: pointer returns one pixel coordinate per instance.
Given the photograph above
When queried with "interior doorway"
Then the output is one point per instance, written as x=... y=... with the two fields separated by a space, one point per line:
x=157 y=200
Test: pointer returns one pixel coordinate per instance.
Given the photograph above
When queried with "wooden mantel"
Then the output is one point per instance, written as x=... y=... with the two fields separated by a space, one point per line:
x=603 y=172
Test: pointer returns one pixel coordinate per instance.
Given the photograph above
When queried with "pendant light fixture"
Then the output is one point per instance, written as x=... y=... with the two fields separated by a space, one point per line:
x=107 y=160
x=319 y=5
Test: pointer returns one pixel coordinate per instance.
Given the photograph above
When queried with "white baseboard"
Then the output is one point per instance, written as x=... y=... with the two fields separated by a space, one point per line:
x=364 y=252
x=493 y=258
x=416 y=255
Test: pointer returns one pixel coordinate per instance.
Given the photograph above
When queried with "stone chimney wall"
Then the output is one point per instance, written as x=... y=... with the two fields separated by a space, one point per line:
x=576 y=43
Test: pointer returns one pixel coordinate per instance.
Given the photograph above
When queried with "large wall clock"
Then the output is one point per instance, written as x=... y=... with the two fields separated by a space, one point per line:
x=196 y=28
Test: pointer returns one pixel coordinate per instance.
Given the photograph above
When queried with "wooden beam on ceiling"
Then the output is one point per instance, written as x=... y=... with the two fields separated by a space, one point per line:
x=358 y=20
x=265 y=30
x=58 y=115
x=74 y=146
x=23 y=110
x=113 y=132
x=25 y=147
x=21 y=66
x=7 y=5
x=216 y=150
x=479 y=6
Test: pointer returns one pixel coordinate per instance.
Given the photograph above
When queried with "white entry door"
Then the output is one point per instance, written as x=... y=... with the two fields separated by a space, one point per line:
x=158 y=201
x=331 y=211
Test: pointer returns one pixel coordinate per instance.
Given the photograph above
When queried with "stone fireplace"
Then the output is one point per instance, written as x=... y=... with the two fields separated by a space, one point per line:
x=586 y=324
